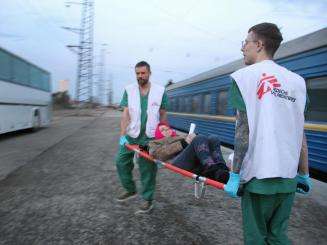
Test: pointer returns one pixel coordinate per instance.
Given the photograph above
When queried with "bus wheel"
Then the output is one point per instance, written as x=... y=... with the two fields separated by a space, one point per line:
x=36 y=121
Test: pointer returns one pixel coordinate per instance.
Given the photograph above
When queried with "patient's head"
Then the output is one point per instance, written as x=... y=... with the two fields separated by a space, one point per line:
x=163 y=130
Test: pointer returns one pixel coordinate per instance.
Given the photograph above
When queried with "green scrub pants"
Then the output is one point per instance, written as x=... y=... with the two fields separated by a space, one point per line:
x=265 y=217
x=148 y=172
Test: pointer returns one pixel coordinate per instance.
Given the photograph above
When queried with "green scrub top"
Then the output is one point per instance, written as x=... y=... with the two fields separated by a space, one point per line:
x=266 y=186
x=142 y=139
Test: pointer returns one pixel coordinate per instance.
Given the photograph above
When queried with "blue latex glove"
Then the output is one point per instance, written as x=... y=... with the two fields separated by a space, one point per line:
x=123 y=140
x=305 y=180
x=232 y=185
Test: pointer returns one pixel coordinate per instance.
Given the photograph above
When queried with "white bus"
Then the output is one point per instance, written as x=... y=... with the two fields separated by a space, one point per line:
x=25 y=94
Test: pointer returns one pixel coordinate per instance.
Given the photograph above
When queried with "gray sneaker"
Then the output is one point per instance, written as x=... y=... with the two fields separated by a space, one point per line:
x=124 y=196
x=146 y=207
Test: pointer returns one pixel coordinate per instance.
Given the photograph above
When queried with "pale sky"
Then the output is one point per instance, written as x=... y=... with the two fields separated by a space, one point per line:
x=179 y=38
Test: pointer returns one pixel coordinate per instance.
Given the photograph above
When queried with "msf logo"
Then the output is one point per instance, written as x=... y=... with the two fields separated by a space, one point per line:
x=266 y=84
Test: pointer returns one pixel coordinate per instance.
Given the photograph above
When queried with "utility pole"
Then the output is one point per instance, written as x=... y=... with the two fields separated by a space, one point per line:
x=84 y=81
x=110 y=92
x=101 y=74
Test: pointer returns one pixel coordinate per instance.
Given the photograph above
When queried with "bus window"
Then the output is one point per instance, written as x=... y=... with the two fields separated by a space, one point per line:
x=45 y=82
x=222 y=102
x=207 y=103
x=5 y=60
x=317 y=92
x=21 y=72
x=196 y=106
x=36 y=77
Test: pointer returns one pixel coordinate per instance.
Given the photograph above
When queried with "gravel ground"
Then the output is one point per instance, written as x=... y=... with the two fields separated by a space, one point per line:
x=62 y=192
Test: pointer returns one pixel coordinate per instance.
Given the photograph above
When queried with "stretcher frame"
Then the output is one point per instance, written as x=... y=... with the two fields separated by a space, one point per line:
x=200 y=181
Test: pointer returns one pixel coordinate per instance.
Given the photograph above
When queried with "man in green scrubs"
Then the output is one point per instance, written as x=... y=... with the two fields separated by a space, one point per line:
x=266 y=202
x=124 y=158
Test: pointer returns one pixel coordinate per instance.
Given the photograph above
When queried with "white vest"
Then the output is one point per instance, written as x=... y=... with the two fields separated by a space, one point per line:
x=275 y=99
x=134 y=106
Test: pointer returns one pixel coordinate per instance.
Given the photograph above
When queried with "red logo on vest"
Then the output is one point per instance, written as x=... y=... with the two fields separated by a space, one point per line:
x=266 y=84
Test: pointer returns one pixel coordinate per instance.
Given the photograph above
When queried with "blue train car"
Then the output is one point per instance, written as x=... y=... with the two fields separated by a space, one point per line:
x=203 y=99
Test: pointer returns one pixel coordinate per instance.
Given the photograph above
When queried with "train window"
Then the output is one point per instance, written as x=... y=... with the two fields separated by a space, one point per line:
x=171 y=104
x=196 y=106
x=176 y=104
x=181 y=104
x=317 y=92
x=207 y=103
x=222 y=102
x=188 y=104
x=5 y=60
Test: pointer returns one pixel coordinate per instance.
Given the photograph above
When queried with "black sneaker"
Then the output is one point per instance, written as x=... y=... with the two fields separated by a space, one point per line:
x=124 y=196
x=215 y=170
x=146 y=207
x=221 y=176
x=209 y=170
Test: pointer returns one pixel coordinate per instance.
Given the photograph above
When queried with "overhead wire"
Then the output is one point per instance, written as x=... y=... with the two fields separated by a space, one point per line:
x=44 y=21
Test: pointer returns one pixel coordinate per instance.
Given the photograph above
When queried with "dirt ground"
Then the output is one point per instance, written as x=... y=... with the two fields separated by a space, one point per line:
x=57 y=186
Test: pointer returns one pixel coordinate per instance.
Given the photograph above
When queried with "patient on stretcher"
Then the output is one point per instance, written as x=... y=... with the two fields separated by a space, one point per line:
x=196 y=153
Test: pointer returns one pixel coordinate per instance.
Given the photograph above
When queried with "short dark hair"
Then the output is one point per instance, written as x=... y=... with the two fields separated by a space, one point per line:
x=269 y=34
x=143 y=63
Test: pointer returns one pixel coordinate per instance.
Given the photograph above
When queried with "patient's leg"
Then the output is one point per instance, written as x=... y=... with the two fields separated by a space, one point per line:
x=195 y=154
x=214 y=145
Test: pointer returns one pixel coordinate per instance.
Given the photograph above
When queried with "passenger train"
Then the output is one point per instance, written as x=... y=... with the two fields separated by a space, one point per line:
x=203 y=99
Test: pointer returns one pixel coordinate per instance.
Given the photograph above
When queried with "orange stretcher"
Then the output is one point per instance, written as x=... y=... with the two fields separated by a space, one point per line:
x=200 y=181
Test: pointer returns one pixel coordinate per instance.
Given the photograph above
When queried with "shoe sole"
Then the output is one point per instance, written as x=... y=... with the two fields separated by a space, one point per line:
x=126 y=199
x=144 y=211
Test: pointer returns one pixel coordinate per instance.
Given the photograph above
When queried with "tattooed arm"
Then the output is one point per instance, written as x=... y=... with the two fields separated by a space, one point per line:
x=303 y=163
x=241 y=141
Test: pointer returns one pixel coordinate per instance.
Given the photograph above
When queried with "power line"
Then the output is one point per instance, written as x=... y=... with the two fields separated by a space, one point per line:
x=44 y=19
x=181 y=19
x=13 y=37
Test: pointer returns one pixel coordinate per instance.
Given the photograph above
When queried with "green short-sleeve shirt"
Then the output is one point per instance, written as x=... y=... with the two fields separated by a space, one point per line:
x=236 y=99
x=142 y=139
x=262 y=186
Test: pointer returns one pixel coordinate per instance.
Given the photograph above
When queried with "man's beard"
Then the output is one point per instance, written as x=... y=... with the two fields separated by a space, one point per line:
x=142 y=81
x=248 y=61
